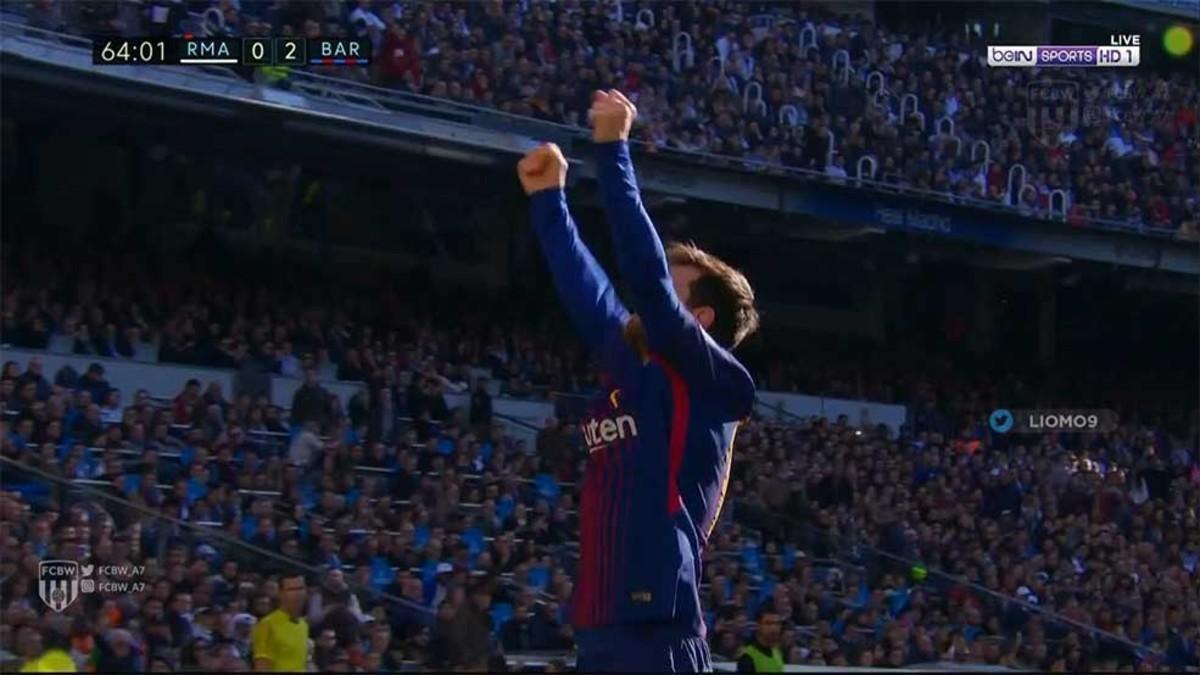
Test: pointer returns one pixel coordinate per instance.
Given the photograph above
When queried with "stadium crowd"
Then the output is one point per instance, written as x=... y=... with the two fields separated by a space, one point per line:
x=291 y=318
x=286 y=316
x=764 y=85
x=445 y=542
x=433 y=536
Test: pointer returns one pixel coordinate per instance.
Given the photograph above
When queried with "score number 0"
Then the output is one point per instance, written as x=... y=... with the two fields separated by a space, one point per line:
x=256 y=51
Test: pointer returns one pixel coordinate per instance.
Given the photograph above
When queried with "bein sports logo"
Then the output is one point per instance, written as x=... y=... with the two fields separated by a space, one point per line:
x=598 y=433
x=1052 y=108
x=1001 y=56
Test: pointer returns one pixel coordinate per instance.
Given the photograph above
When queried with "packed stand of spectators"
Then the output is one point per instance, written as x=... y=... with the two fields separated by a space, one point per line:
x=751 y=89
x=281 y=317
x=892 y=554
x=431 y=528
x=1103 y=530
x=288 y=320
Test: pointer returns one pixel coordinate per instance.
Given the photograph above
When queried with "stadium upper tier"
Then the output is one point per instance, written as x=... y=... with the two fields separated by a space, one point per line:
x=790 y=89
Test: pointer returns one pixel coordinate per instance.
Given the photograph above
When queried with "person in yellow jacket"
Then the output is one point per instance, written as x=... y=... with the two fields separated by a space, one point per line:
x=280 y=642
x=763 y=654
x=51 y=661
x=51 y=646
x=274 y=76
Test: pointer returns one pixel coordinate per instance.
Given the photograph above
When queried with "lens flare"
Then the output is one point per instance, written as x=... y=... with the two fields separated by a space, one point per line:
x=1178 y=41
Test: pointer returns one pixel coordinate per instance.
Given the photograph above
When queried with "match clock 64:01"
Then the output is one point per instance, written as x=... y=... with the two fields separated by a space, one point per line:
x=132 y=51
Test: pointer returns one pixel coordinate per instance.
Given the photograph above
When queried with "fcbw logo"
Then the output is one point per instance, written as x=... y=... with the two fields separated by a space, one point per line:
x=61 y=581
x=1053 y=107
x=58 y=583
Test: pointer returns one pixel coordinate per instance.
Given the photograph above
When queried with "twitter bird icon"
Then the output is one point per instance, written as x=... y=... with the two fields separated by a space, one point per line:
x=1001 y=420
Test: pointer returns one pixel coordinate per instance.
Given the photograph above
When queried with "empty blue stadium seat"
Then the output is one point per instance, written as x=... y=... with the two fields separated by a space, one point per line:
x=504 y=507
x=308 y=495
x=382 y=573
x=539 y=577
x=863 y=597
x=766 y=588
x=789 y=557
x=548 y=487
x=421 y=536
x=196 y=490
x=898 y=600
x=34 y=493
x=501 y=613
x=429 y=573
x=752 y=558
x=132 y=483
x=473 y=538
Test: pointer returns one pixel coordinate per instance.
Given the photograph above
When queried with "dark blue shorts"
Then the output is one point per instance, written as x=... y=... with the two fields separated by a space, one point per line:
x=661 y=648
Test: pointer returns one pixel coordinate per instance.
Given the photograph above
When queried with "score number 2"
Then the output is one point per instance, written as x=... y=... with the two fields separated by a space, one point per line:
x=290 y=51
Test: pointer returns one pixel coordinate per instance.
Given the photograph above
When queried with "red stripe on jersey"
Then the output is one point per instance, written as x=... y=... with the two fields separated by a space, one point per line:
x=619 y=527
x=601 y=549
x=679 y=425
x=610 y=527
x=597 y=542
x=610 y=501
x=602 y=530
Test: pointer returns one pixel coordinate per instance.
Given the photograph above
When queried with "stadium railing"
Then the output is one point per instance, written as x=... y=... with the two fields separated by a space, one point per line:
x=825 y=551
x=855 y=551
x=838 y=551
x=829 y=552
x=97 y=501
x=383 y=98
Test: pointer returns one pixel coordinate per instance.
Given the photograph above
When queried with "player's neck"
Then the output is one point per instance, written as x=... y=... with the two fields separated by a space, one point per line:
x=635 y=336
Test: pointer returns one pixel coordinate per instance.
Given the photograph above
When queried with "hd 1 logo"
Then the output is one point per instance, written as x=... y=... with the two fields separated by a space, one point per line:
x=1053 y=106
x=60 y=582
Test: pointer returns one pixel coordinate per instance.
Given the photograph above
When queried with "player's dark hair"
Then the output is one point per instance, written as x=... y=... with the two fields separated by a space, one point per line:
x=766 y=608
x=292 y=575
x=721 y=287
x=482 y=586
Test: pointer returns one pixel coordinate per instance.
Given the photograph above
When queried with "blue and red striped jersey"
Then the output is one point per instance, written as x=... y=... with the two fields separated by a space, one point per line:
x=660 y=438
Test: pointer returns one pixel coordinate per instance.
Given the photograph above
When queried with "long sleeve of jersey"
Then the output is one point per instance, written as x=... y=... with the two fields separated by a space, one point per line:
x=585 y=290
x=671 y=330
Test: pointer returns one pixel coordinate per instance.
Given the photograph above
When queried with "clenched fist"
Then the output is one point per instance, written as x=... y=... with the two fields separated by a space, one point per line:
x=542 y=168
x=612 y=115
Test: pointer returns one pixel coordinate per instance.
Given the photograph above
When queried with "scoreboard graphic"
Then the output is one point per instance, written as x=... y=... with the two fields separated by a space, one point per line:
x=249 y=51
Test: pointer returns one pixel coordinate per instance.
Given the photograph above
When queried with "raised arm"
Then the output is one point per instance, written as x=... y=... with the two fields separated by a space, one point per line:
x=582 y=284
x=671 y=329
